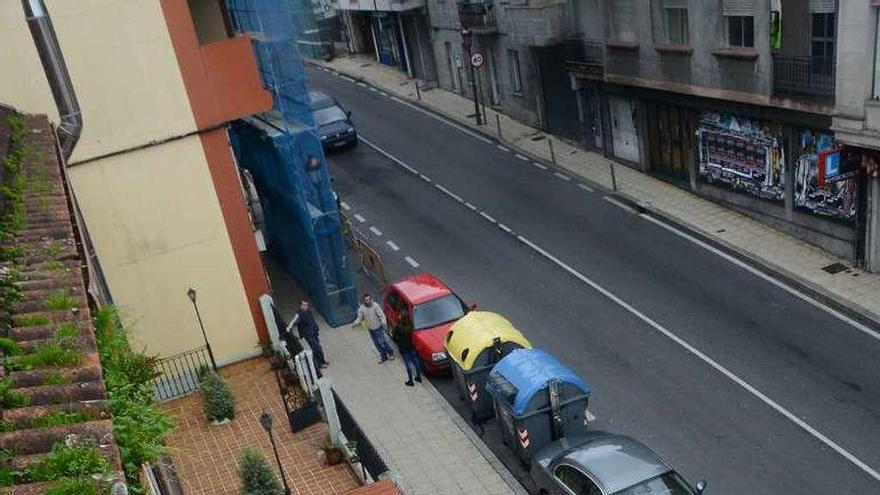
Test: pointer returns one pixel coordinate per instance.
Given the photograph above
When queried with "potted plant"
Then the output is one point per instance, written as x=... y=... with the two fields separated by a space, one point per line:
x=332 y=453
x=257 y=478
x=219 y=403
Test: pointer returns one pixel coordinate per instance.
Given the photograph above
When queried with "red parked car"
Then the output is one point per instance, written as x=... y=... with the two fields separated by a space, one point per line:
x=433 y=308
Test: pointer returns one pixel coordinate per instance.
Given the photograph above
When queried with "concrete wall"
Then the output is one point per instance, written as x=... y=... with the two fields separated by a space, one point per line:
x=855 y=69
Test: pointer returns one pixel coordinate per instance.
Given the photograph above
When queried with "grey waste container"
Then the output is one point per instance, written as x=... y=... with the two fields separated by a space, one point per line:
x=537 y=400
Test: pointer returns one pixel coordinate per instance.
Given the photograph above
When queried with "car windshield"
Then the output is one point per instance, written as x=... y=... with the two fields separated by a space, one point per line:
x=666 y=484
x=328 y=115
x=433 y=313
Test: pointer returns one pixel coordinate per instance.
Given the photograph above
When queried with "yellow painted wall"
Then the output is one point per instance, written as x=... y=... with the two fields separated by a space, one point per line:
x=156 y=223
x=122 y=65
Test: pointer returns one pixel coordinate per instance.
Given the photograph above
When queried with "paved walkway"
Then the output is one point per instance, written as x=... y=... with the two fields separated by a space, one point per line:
x=427 y=446
x=802 y=263
x=206 y=457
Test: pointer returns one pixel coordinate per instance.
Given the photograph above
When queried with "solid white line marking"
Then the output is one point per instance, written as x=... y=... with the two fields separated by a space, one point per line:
x=345 y=205
x=487 y=217
x=398 y=100
x=562 y=176
x=706 y=359
x=590 y=417
x=443 y=120
x=504 y=228
x=359 y=218
x=833 y=312
x=470 y=206
x=413 y=263
x=539 y=165
x=376 y=231
x=389 y=156
x=347 y=78
x=449 y=193
x=392 y=245
x=618 y=204
x=586 y=187
x=502 y=148
x=521 y=157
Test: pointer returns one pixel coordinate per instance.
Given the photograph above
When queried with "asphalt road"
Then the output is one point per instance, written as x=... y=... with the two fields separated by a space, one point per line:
x=727 y=375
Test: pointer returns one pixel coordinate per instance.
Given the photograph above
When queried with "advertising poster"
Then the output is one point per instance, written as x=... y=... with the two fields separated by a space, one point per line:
x=826 y=187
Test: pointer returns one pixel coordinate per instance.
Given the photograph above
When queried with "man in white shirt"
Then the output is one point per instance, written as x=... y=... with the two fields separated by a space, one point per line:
x=370 y=314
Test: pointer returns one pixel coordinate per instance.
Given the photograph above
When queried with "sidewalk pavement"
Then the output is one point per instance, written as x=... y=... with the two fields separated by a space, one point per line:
x=426 y=445
x=853 y=291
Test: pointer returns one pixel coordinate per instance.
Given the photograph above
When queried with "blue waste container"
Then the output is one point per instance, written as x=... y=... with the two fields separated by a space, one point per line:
x=537 y=400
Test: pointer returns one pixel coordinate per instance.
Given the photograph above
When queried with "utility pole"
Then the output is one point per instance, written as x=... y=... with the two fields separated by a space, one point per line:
x=466 y=38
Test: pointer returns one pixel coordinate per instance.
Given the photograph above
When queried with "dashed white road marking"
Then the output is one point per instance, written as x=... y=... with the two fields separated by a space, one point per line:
x=504 y=227
x=393 y=246
x=362 y=85
x=346 y=78
x=522 y=157
x=345 y=205
x=449 y=193
x=487 y=217
x=590 y=417
x=586 y=187
x=470 y=206
x=618 y=204
x=413 y=263
x=374 y=90
x=424 y=177
x=502 y=148
x=383 y=93
x=706 y=359
x=539 y=165
x=375 y=231
x=562 y=176
x=359 y=218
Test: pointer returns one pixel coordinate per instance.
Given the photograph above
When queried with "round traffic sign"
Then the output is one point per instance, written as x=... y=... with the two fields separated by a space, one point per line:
x=477 y=59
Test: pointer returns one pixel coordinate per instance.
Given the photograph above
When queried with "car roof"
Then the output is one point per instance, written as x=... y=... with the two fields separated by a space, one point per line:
x=320 y=99
x=614 y=461
x=421 y=288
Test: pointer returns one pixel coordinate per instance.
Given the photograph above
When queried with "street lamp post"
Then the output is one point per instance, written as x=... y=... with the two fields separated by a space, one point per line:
x=266 y=422
x=192 y=297
x=466 y=37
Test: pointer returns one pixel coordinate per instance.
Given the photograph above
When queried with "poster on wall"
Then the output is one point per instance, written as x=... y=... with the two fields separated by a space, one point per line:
x=741 y=154
x=827 y=178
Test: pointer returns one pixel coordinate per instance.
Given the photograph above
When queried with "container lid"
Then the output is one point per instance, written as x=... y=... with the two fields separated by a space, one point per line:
x=476 y=331
x=530 y=371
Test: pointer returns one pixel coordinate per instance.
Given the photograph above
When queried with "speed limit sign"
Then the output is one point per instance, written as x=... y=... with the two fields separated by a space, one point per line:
x=477 y=59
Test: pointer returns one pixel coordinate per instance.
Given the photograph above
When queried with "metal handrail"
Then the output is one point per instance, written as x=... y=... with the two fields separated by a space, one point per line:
x=812 y=77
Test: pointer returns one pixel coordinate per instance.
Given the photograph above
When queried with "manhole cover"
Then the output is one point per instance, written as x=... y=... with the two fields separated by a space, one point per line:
x=835 y=268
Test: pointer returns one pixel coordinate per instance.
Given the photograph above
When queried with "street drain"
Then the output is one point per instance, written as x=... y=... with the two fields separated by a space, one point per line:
x=835 y=268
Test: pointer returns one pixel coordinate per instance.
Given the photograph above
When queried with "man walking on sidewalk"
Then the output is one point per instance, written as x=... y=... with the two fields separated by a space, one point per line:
x=403 y=336
x=307 y=328
x=371 y=315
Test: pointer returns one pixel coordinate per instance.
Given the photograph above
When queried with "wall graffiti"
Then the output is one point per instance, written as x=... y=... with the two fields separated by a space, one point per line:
x=741 y=154
x=824 y=190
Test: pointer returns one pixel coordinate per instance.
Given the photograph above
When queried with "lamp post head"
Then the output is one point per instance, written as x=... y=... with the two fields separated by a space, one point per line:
x=192 y=294
x=266 y=421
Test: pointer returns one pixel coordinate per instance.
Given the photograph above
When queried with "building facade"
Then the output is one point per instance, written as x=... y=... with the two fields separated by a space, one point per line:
x=732 y=99
x=157 y=83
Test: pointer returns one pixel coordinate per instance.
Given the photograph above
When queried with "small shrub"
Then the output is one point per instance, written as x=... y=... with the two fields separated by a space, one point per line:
x=219 y=403
x=65 y=332
x=9 y=347
x=74 y=486
x=50 y=355
x=53 y=265
x=52 y=249
x=59 y=418
x=34 y=321
x=54 y=379
x=257 y=477
x=58 y=301
x=65 y=462
x=10 y=398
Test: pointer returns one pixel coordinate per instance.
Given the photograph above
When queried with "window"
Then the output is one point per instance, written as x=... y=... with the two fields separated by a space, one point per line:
x=515 y=74
x=741 y=30
x=438 y=311
x=676 y=25
x=667 y=484
x=822 y=43
x=576 y=481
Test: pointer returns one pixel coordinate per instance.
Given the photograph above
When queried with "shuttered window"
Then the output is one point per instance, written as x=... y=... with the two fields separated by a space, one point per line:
x=822 y=6
x=738 y=7
x=623 y=19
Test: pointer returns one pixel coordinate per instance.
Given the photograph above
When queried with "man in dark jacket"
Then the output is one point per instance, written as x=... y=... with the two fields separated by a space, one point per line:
x=403 y=337
x=307 y=328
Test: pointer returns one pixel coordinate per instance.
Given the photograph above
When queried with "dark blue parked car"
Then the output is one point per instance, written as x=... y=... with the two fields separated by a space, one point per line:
x=334 y=123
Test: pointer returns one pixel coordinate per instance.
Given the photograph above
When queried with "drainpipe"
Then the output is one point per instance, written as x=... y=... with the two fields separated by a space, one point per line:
x=40 y=24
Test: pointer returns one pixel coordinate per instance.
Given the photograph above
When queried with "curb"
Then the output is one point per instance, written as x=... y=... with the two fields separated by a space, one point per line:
x=796 y=282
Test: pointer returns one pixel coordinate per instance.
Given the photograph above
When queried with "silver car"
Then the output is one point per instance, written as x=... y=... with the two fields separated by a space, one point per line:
x=602 y=463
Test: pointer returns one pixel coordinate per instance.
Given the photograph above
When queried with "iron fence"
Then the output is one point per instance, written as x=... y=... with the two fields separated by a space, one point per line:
x=179 y=374
x=370 y=459
x=477 y=16
x=810 y=77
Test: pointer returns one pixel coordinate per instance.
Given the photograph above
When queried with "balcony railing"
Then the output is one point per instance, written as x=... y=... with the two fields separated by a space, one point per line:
x=179 y=374
x=806 y=77
x=585 y=56
x=478 y=17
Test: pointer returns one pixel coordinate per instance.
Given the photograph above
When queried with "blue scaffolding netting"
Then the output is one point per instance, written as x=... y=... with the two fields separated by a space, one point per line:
x=283 y=153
